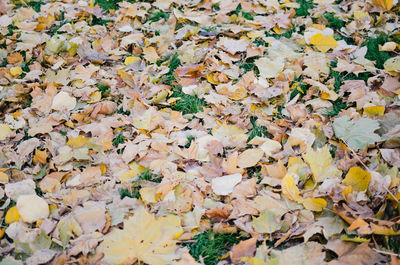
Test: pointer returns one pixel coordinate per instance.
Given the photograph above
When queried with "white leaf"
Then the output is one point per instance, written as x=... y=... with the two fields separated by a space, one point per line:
x=225 y=184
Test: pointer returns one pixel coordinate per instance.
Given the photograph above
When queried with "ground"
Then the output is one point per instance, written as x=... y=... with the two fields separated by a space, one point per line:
x=199 y=132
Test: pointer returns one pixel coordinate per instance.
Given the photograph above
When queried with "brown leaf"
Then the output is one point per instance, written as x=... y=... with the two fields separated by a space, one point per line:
x=243 y=249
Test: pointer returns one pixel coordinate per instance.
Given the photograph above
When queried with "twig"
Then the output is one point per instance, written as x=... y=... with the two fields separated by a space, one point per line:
x=385 y=252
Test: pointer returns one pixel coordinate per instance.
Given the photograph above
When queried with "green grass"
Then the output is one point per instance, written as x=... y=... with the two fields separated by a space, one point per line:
x=341 y=77
x=187 y=103
x=54 y=29
x=104 y=90
x=131 y=193
x=256 y=130
x=248 y=65
x=147 y=175
x=334 y=22
x=108 y=5
x=173 y=63
x=156 y=16
x=305 y=5
x=338 y=106
x=254 y=172
x=211 y=247
x=99 y=21
x=119 y=139
x=373 y=52
x=247 y=15
x=36 y=5
x=301 y=89
x=190 y=138
x=124 y=112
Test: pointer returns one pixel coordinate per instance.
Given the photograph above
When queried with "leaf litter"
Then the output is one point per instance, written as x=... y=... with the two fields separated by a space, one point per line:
x=199 y=132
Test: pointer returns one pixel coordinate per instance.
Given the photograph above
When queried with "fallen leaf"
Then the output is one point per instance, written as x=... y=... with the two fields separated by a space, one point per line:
x=245 y=248
x=321 y=164
x=250 y=157
x=63 y=101
x=290 y=190
x=143 y=238
x=323 y=42
x=357 y=178
x=225 y=184
x=5 y=132
x=32 y=208
x=357 y=134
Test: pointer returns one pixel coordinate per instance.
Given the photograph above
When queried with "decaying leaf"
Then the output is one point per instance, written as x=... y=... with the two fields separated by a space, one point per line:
x=357 y=134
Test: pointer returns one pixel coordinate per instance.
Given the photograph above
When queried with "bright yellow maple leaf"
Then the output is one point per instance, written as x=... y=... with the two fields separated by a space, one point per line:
x=144 y=238
x=374 y=110
x=358 y=178
x=323 y=42
x=314 y=204
x=78 y=142
x=12 y=215
x=320 y=162
x=290 y=190
x=386 y=4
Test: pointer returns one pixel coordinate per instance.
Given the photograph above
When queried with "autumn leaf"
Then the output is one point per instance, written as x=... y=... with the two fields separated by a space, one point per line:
x=290 y=190
x=5 y=132
x=321 y=164
x=357 y=134
x=143 y=238
x=323 y=42
x=386 y=4
x=267 y=222
x=357 y=178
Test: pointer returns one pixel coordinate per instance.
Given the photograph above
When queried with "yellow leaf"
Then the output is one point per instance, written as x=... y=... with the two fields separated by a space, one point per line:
x=127 y=176
x=95 y=97
x=148 y=194
x=256 y=261
x=374 y=110
x=383 y=230
x=40 y=156
x=356 y=239
x=12 y=215
x=3 y=178
x=5 y=132
x=323 y=43
x=250 y=157
x=78 y=142
x=2 y=232
x=392 y=65
x=130 y=59
x=267 y=222
x=359 y=15
x=320 y=162
x=314 y=204
x=44 y=22
x=16 y=71
x=358 y=178
x=143 y=238
x=290 y=190
x=211 y=80
x=386 y=4
x=150 y=54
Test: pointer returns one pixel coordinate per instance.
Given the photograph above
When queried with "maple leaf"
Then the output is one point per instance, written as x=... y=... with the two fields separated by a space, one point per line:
x=356 y=134
x=320 y=162
x=143 y=238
